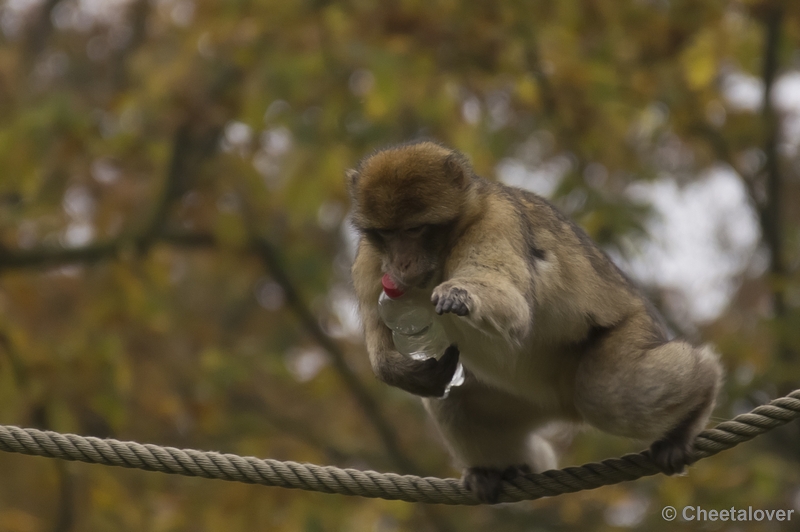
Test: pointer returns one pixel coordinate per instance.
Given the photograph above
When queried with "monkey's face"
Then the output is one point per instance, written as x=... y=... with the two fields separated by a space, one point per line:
x=406 y=202
x=411 y=254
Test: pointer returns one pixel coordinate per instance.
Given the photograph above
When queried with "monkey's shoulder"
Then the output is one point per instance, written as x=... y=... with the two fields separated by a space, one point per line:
x=556 y=245
x=531 y=209
x=544 y=228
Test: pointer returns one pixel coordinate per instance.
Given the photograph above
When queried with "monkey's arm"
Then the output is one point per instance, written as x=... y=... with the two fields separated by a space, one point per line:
x=489 y=284
x=426 y=378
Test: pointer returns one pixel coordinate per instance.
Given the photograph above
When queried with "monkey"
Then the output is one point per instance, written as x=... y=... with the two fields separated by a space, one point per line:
x=547 y=328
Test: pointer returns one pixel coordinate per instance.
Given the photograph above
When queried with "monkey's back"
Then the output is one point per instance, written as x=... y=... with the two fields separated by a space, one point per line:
x=574 y=292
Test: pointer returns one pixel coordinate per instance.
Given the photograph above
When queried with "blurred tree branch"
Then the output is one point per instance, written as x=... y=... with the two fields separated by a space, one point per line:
x=273 y=262
x=138 y=12
x=772 y=212
x=244 y=401
x=65 y=511
x=39 y=28
x=128 y=240
x=192 y=139
x=65 y=515
x=767 y=202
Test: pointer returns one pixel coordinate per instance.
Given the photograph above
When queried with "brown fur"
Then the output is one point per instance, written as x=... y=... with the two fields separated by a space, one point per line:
x=547 y=328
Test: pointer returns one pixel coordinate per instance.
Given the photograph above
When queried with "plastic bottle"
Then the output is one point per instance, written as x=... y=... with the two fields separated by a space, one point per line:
x=416 y=331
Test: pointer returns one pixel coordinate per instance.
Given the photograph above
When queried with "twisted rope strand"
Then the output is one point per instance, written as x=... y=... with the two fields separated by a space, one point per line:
x=329 y=479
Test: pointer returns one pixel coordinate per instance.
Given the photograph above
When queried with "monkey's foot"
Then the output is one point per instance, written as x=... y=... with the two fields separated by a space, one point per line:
x=670 y=455
x=450 y=298
x=485 y=482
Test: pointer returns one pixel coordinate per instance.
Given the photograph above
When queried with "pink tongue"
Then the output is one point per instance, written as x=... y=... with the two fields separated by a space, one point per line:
x=389 y=288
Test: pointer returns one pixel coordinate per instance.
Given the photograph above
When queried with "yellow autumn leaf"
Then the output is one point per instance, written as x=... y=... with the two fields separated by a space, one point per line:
x=527 y=90
x=699 y=61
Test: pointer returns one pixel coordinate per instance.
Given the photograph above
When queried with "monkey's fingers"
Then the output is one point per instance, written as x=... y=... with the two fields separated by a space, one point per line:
x=453 y=299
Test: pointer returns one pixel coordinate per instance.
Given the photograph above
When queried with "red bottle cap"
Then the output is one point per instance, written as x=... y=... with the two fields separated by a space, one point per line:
x=389 y=288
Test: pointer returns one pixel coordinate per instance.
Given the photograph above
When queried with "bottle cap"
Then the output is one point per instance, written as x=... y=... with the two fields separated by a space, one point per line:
x=389 y=288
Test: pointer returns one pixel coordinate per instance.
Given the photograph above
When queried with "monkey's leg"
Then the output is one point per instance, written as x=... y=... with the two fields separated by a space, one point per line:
x=488 y=432
x=627 y=386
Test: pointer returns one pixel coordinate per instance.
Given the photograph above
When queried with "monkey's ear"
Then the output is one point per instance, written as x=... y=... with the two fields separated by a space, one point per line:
x=352 y=178
x=454 y=169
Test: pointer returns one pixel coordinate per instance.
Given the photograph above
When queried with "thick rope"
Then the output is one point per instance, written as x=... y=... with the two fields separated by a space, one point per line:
x=328 y=479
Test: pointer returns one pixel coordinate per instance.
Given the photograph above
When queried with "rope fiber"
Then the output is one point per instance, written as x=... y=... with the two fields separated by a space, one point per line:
x=329 y=479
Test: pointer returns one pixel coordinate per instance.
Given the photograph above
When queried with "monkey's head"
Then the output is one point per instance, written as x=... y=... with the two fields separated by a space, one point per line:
x=406 y=202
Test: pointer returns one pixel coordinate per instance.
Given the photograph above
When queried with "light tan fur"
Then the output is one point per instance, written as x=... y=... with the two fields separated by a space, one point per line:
x=547 y=328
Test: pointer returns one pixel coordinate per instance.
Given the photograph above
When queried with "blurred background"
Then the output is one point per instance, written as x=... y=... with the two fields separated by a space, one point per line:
x=174 y=246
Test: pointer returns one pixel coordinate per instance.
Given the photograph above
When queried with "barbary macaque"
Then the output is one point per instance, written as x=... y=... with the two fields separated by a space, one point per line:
x=547 y=328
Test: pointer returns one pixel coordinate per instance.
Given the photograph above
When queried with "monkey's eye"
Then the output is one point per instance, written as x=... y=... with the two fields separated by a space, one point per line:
x=384 y=233
x=416 y=230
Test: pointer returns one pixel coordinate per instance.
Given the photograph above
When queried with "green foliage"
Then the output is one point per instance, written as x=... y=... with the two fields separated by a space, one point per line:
x=163 y=142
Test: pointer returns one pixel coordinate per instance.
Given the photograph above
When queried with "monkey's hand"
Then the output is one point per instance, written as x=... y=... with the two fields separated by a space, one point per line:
x=426 y=378
x=449 y=297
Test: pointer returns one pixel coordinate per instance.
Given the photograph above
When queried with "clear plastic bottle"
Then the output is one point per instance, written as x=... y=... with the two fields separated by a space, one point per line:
x=416 y=331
